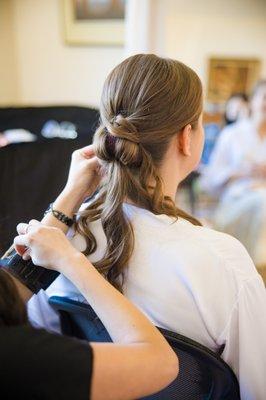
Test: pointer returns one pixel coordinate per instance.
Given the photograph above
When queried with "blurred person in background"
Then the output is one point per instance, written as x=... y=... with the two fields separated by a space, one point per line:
x=236 y=108
x=237 y=175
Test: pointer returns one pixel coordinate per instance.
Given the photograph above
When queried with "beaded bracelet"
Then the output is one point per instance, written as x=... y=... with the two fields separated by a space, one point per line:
x=60 y=216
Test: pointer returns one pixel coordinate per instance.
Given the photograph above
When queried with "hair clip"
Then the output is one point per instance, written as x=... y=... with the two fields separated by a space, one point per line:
x=110 y=142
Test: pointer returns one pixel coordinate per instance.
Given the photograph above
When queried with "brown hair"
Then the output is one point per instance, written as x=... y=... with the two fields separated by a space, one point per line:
x=146 y=100
x=12 y=308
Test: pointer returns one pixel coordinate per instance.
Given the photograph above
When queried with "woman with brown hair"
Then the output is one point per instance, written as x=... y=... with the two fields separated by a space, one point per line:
x=184 y=277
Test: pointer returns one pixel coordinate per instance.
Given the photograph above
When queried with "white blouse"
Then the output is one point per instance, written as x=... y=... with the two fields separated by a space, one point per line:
x=191 y=280
x=237 y=150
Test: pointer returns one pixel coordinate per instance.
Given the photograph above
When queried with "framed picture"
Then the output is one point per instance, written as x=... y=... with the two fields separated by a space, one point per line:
x=94 y=22
x=231 y=75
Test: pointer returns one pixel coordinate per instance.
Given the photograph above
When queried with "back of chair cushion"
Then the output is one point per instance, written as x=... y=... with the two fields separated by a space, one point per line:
x=203 y=374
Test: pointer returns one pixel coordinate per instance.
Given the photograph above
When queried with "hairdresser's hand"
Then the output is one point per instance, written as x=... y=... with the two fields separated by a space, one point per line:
x=84 y=177
x=84 y=174
x=46 y=246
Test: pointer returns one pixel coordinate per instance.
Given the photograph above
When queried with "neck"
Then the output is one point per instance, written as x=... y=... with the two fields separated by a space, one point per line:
x=170 y=183
x=171 y=180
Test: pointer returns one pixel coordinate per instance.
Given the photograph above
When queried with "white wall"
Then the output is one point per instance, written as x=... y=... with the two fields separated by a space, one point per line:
x=196 y=30
x=40 y=68
x=51 y=71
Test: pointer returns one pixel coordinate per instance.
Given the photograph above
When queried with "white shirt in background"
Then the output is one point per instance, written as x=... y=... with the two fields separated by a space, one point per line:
x=238 y=149
x=241 y=210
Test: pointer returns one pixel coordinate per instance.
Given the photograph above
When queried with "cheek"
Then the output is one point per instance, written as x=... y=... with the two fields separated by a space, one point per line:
x=198 y=147
x=200 y=142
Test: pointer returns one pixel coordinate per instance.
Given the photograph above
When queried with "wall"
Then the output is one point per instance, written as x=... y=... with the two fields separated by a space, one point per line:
x=40 y=68
x=196 y=30
x=49 y=70
x=8 y=65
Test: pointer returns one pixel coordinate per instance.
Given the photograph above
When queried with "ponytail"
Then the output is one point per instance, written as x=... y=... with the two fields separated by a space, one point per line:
x=146 y=100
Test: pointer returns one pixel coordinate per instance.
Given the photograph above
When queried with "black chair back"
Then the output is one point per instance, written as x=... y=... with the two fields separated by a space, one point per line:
x=203 y=374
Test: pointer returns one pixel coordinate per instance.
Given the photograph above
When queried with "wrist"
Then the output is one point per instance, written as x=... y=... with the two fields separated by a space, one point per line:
x=69 y=200
x=71 y=263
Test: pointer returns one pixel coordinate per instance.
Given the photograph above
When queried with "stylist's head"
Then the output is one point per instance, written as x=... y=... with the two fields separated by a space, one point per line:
x=12 y=308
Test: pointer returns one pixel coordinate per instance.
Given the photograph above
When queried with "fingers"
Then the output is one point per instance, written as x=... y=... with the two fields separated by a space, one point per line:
x=94 y=163
x=24 y=228
x=87 y=151
x=20 y=249
x=34 y=222
x=23 y=251
x=26 y=254
x=21 y=243
x=21 y=240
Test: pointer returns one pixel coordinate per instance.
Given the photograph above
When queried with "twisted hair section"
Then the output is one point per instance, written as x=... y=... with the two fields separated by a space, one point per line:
x=146 y=100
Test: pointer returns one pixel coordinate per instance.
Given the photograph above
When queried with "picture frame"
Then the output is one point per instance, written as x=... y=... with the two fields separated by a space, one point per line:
x=95 y=26
x=231 y=75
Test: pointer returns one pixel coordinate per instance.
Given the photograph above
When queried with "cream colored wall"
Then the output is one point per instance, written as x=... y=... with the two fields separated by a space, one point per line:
x=9 y=87
x=49 y=71
x=193 y=31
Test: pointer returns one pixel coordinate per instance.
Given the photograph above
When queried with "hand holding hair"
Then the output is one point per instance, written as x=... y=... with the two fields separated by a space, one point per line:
x=84 y=174
x=83 y=179
x=46 y=246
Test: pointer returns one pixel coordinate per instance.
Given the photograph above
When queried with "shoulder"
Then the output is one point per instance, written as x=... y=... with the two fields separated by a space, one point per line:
x=230 y=254
x=225 y=271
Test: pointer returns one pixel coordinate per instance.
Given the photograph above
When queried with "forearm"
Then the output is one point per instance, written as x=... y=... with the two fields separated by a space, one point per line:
x=139 y=348
x=125 y=325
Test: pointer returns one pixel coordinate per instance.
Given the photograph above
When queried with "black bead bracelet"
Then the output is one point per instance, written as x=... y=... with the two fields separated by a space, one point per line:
x=60 y=216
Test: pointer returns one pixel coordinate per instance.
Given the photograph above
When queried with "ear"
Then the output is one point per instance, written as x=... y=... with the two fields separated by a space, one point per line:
x=184 y=140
